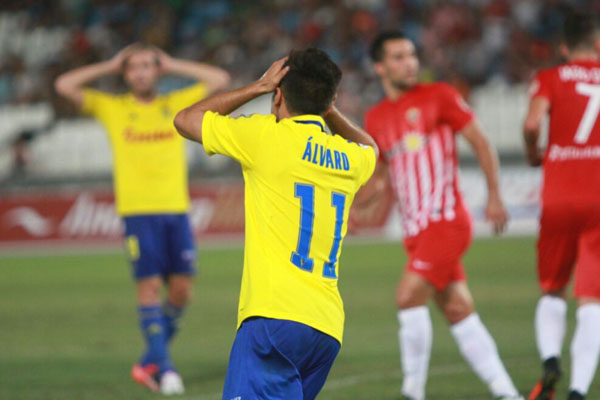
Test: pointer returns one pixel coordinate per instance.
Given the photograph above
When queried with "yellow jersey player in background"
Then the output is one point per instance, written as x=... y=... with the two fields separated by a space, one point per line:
x=151 y=187
x=299 y=185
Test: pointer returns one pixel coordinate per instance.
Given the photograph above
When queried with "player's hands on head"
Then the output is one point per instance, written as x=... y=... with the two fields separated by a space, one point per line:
x=165 y=60
x=271 y=79
x=116 y=63
x=496 y=214
x=331 y=108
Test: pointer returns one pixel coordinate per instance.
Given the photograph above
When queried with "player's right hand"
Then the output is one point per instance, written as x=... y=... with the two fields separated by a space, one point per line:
x=271 y=79
x=534 y=158
x=116 y=63
x=496 y=214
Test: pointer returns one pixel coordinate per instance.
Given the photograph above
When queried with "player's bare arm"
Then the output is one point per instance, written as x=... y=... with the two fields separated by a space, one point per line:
x=70 y=85
x=538 y=108
x=495 y=212
x=343 y=126
x=373 y=189
x=188 y=122
x=214 y=78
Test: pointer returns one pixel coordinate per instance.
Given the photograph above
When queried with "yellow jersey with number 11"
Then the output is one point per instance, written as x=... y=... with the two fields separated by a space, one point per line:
x=299 y=186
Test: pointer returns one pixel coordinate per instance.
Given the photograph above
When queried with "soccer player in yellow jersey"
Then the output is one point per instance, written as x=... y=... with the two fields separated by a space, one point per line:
x=150 y=181
x=299 y=186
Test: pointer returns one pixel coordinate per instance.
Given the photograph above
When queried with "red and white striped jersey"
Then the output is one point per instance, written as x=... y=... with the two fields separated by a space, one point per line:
x=415 y=135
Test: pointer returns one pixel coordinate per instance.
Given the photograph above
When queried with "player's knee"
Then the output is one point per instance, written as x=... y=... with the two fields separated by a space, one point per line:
x=412 y=291
x=149 y=291
x=456 y=311
x=180 y=291
x=582 y=301
x=408 y=299
x=561 y=292
x=181 y=296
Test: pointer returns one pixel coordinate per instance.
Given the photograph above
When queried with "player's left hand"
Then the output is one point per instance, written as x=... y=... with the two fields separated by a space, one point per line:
x=271 y=79
x=496 y=214
x=164 y=60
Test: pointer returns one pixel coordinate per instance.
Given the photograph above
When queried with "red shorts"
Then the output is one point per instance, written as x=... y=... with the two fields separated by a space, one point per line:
x=570 y=241
x=436 y=252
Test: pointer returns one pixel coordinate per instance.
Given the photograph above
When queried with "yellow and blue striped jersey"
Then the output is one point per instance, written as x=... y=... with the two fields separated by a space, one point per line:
x=149 y=160
x=299 y=185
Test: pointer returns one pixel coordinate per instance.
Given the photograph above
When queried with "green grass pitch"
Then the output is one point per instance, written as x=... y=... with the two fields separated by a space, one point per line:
x=68 y=326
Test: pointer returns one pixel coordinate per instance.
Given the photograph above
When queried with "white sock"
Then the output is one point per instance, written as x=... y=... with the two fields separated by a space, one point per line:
x=479 y=350
x=415 y=336
x=550 y=325
x=585 y=347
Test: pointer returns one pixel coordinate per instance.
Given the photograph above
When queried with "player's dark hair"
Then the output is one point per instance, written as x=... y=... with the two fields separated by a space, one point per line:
x=376 y=50
x=311 y=83
x=580 y=29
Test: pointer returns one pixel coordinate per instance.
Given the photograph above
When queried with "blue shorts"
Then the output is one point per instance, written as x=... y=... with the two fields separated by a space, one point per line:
x=278 y=359
x=161 y=244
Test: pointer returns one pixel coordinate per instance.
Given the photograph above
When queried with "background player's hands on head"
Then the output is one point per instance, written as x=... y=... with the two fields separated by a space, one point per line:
x=496 y=214
x=165 y=60
x=116 y=63
x=271 y=79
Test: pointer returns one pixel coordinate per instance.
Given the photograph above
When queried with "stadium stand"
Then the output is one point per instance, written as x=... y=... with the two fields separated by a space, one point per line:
x=487 y=49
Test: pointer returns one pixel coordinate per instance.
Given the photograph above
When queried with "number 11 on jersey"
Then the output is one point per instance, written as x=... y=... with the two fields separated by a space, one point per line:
x=300 y=257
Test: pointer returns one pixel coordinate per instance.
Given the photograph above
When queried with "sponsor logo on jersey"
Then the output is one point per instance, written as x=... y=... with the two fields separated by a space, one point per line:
x=133 y=136
x=564 y=153
x=413 y=142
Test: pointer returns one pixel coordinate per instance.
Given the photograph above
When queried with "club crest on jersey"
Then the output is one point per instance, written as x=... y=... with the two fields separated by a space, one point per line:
x=412 y=115
x=413 y=142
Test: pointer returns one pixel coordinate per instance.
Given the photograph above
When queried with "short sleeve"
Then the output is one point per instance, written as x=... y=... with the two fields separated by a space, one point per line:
x=454 y=110
x=97 y=104
x=239 y=138
x=369 y=161
x=540 y=86
x=185 y=97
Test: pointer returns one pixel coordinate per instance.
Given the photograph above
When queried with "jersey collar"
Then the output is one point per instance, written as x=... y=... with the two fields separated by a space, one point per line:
x=310 y=120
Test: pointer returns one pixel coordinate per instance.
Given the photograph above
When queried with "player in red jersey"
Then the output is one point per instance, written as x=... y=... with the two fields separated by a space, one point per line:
x=415 y=127
x=569 y=239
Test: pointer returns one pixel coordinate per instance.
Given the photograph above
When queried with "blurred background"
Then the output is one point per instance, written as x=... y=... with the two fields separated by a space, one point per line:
x=488 y=49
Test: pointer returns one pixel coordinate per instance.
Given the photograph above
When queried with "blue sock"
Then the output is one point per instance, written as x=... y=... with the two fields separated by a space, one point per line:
x=171 y=314
x=151 y=322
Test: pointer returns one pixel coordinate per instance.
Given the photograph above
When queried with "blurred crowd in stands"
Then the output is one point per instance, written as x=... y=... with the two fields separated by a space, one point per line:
x=466 y=42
